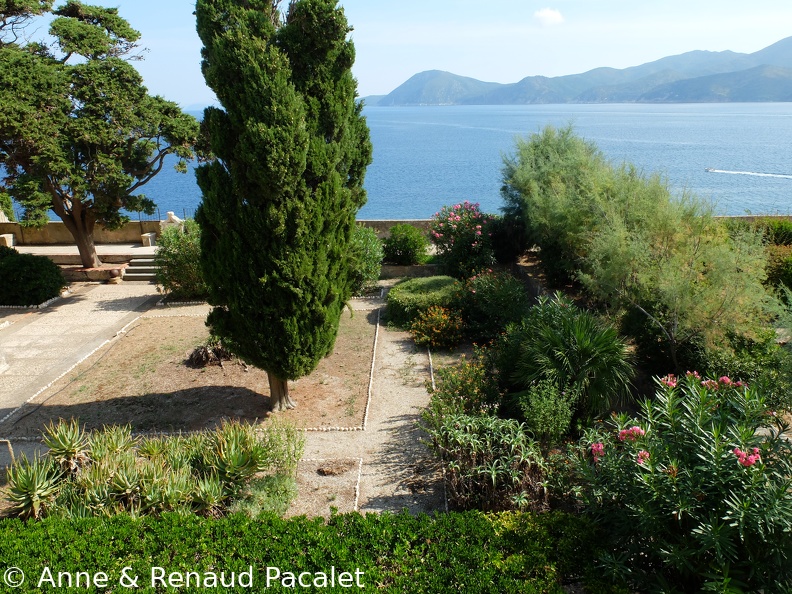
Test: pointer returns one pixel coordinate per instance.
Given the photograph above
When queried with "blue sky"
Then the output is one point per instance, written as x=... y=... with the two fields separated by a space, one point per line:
x=492 y=40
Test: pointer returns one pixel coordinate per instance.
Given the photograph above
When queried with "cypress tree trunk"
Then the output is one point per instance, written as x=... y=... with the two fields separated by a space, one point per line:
x=279 y=392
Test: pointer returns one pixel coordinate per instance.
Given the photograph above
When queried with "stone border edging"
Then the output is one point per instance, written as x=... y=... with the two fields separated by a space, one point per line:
x=39 y=306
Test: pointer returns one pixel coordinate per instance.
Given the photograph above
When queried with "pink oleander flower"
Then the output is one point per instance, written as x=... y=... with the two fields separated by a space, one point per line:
x=670 y=380
x=693 y=374
x=746 y=459
x=631 y=434
x=725 y=381
x=643 y=456
x=597 y=450
x=710 y=384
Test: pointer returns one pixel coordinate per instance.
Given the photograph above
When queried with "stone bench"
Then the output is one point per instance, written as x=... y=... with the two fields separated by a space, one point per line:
x=8 y=239
x=148 y=239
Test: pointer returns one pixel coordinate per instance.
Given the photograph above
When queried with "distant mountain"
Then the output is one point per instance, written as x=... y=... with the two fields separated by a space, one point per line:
x=692 y=77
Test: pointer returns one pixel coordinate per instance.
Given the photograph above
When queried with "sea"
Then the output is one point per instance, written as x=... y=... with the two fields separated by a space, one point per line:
x=736 y=155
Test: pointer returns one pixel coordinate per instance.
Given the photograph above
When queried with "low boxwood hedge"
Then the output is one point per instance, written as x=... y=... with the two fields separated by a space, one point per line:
x=456 y=552
x=28 y=279
x=409 y=298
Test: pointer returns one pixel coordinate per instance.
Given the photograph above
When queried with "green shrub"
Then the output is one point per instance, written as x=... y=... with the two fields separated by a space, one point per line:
x=461 y=234
x=178 y=262
x=7 y=252
x=405 y=245
x=7 y=206
x=465 y=388
x=366 y=259
x=547 y=411
x=697 y=492
x=437 y=327
x=490 y=463
x=409 y=298
x=28 y=279
x=776 y=231
x=512 y=553
x=489 y=301
x=509 y=238
x=779 y=266
x=109 y=472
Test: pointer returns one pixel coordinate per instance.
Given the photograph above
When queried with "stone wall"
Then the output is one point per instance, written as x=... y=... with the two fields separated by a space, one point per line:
x=56 y=233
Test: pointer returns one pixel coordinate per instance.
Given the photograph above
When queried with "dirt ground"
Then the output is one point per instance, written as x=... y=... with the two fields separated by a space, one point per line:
x=143 y=379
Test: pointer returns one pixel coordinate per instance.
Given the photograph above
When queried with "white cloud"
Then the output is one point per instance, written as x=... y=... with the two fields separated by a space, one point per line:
x=549 y=17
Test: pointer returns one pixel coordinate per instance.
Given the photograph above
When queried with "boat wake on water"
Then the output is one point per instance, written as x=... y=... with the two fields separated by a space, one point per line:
x=756 y=173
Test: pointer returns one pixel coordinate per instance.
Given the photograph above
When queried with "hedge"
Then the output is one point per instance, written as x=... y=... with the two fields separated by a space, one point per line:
x=457 y=552
x=411 y=297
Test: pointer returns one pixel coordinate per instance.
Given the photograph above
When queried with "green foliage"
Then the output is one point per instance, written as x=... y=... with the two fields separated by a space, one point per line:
x=178 y=262
x=508 y=237
x=110 y=472
x=411 y=297
x=28 y=279
x=405 y=245
x=570 y=347
x=458 y=552
x=547 y=411
x=697 y=492
x=80 y=134
x=7 y=207
x=552 y=183
x=461 y=235
x=490 y=463
x=489 y=301
x=462 y=389
x=437 y=327
x=779 y=266
x=366 y=260
x=290 y=150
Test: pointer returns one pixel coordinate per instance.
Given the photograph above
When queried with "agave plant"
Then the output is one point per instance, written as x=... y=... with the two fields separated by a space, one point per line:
x=33 y=485
x=208 y=496
x=67 y=445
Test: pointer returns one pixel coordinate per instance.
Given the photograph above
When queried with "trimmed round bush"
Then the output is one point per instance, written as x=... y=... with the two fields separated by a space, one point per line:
x=405 y=245
x=489 y=302
x=28 y=279
x=365 y=259
x=178 y=262
x=411 y=297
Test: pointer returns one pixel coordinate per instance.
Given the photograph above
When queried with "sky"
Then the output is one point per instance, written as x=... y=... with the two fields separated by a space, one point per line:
x=492 y=40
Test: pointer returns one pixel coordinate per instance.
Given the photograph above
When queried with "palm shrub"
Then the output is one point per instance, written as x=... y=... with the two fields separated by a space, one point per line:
x=178 y=262
x=696 y=492
x=570 y=347
x=405 y=245
x=365 y=259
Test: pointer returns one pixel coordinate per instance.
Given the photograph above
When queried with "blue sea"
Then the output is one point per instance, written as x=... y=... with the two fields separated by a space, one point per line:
x=739 y=156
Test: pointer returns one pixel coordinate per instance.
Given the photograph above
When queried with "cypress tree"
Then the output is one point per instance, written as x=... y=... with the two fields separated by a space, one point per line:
x=280 y=194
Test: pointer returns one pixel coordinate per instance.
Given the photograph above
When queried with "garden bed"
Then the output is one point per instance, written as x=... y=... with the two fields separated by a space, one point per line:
x=142 y=379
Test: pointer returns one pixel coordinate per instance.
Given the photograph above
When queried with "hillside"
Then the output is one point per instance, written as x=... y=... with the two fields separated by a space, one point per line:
x=692 y=77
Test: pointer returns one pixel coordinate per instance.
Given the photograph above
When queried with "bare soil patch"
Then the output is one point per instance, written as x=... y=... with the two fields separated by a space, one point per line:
x=142 y=379
x=326 y=486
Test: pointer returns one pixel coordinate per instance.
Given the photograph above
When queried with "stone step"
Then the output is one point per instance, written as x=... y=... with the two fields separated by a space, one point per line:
x=139 y=276
x=141 y=262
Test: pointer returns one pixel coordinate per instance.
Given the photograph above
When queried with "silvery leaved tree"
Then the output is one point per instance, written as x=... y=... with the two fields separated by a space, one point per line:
x=290 y=150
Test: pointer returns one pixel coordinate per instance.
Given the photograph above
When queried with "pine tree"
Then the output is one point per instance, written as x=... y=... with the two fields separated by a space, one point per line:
x=280 y=196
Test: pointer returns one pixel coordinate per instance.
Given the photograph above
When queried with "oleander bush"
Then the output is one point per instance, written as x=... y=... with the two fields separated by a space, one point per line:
x=366 y=259
x=462 y=236
x=696 y=492
x=437 y=327
x=409 y=298
x=509 y=238
x=108 y=472
x=28 y=279
x=178 y=262
x=405 y=245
